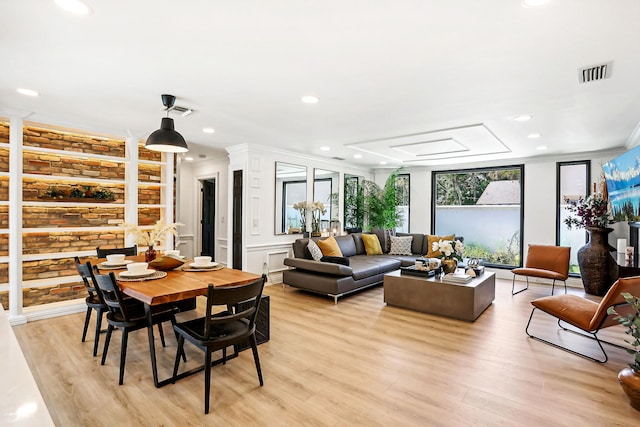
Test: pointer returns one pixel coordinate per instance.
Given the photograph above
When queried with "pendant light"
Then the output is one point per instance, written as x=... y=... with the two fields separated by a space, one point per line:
x=166 y=139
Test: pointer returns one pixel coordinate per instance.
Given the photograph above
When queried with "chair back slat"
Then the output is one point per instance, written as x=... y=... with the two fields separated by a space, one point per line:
x=614 y=298
x=229 y=297
x=86 y=274
x=545 y=257
x=130 y=251
x=112 y=294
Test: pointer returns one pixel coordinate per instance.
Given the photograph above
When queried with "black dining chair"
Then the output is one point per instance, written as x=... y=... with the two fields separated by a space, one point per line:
x=128 y=314
x=217 y=331
x=94 y=301
x=129 y=251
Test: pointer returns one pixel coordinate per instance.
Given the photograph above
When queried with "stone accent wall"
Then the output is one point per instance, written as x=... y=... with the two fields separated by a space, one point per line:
x=46 y=295
x=34 y=136
x=148 y=195
x=148 y=216
x=145 y=154
x=36 y=191
x=4 y=157
x=4 y=132
x=43 y=217
x=36 y=243
x=4 y=188
x=56 y=165
x=149 y=173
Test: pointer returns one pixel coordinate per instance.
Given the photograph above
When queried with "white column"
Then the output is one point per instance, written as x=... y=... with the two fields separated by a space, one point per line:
x=131 y=186
x=166 y=195
x=15 y=222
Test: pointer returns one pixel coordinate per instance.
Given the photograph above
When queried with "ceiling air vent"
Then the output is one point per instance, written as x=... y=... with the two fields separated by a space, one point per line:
x=595 y=72
x=183 y=111
x=337 y=158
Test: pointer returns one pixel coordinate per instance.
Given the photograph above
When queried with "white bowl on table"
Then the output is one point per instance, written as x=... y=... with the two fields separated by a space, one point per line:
x=115 y=259
x=137 y=267
x=172 y=252
x=201 y=261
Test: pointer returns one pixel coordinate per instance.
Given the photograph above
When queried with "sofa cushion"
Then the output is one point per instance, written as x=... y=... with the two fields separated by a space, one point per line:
x=431 y=239
x=371 y=244
x=314 y=250
x=400 y=245
x=364 y=266
x=346 y=244
x=383 y=237
x=329 y=247
x=357 y=239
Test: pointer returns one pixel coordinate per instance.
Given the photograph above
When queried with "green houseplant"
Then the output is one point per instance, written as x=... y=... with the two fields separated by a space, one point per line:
x=629 y=378
x=353 y=204
x=381 y=204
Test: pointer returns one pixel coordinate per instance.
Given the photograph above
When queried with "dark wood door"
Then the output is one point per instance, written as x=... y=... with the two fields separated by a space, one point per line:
x=208 y=215
x=237 y=220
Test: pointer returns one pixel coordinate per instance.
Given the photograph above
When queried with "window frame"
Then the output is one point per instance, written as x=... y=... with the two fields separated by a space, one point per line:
x=434 y=175
x=407 y=219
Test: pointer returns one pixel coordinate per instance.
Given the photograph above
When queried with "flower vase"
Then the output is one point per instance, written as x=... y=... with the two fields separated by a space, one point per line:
x=596 y=263
x=630 y=383
x=150 y=254
x=449 y=265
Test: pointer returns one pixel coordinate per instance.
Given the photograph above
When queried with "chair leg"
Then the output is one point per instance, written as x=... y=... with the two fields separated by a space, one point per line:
x=161 y=332
x=173 y=323
x=96 y=339
x=591 y=335
x=256 y=358
x=513 y=285
x=123 y=354
x=176 y=364
x=106 y=344
x=565 y=286
x=207 y=379
x=87 y=318
x=553 y=285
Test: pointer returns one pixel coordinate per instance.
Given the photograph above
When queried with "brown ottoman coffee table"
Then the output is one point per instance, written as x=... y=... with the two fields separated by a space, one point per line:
x=429 y=295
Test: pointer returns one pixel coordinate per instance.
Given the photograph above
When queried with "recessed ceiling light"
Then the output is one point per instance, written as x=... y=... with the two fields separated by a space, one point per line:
x=310 y=99
x=521 y=117
x=28 y=92
x=541 y=147
x=534 y=135
x=76 y=7
x=325 y=148
x=357 y=156
x=383 y=162
x=534 y=3
x=189 y=158
x=208 y=130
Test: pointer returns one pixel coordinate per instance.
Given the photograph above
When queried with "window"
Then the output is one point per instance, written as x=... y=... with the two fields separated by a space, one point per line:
x=322 y=194
x=485 y=206
x=402 y=195
x=572 y=183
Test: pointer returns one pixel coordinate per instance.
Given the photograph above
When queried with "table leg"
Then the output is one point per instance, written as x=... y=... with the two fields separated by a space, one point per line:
x=152 y=346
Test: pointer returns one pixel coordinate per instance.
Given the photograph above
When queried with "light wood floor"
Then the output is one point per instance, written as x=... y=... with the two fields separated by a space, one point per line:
x=355 y=363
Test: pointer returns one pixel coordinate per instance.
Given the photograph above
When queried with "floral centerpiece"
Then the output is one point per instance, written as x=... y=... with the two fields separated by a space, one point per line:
x=590 y=212
x=450 y=252
x=151 y=237
x=317 y=210
x=301 y=207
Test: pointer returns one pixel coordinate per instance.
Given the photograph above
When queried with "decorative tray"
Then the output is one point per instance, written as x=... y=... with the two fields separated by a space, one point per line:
x=156 y=275
x=412 y=271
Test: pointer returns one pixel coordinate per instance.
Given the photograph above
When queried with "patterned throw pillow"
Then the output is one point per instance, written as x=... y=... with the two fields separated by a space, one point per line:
x=314 y=250
x=401 y=245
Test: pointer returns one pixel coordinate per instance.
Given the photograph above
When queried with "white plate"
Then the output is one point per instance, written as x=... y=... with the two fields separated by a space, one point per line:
x=208 y=265
x=148 y=272
x=117 y=264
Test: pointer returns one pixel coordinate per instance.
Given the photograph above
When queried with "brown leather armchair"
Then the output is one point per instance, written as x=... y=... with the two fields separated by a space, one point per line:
x=546 y=262
x=585 y=315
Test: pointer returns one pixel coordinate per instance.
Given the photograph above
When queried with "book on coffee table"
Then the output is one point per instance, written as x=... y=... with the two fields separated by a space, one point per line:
x=457 y=278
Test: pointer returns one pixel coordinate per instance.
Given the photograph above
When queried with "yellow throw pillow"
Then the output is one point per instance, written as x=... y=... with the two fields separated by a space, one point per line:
x=431 y=239
x=371 y=244
x=329 y=247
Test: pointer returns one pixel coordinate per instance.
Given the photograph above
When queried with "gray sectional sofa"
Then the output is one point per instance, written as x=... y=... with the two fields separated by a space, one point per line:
x=364 y=270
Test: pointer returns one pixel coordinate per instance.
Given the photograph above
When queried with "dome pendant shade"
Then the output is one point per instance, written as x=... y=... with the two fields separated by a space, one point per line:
x=166 y=139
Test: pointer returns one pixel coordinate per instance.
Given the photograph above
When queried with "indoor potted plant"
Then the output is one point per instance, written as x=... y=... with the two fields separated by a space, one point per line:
x=629 y=378
x=381 y=208
x=152 y=237
x=593 y=214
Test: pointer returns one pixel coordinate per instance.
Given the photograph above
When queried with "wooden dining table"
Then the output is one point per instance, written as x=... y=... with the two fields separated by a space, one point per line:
x=178 y=285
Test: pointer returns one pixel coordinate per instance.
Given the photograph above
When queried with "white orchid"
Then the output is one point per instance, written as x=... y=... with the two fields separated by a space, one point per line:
x=153 y=236
x=449 y=249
